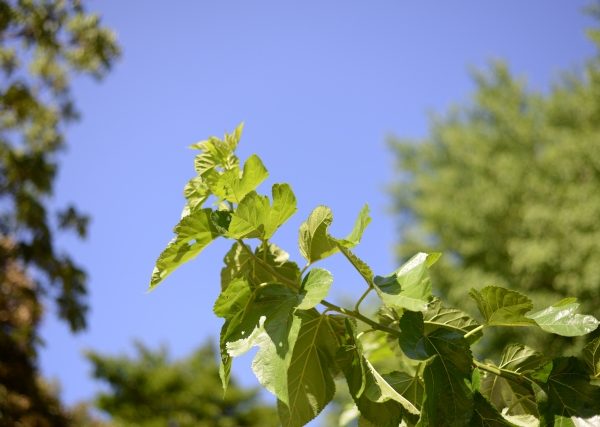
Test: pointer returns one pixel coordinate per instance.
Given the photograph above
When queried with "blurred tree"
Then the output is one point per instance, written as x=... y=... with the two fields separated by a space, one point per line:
x=43 y=43
x=508 y=188
x=152 y=391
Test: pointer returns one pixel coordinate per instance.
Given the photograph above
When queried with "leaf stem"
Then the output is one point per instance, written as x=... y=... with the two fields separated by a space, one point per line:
x=473 y=331
x=365 y=319
x=509 y=375
x=362 y=297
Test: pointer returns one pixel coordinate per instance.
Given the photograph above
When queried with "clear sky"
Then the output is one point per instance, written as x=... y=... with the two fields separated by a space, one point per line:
x=320 y=86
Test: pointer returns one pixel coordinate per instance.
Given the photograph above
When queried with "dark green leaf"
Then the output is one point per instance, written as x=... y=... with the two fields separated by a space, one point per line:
x=485 y=415
x=561 y=319
x=591 y=355
x=502 y=307
x=447 y=398
x=193 y=233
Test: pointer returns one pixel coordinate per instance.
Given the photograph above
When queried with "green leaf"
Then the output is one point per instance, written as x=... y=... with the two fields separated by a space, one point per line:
x=512 y=394
x=352 y=362
x=248 y=220
x=314 y=240
x=315 y=288
x=561 y=319
x=233 y=299
x=379 y=390
x=502 y=307
x=193 y=233
x=360 y=225
x=255 y=218
x=591 y=356
x=569 y=390
x=241 y=264
x=485 y=415
x=408 y=287
x=267 y=321
x=196 y=192
x=360 y=266
x=233 y=185
x=447 y=399
x=310 y=379
x=284 y=206
x=437 y=316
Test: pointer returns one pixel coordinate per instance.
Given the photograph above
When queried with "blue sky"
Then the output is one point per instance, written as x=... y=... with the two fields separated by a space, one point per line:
x=320 y=86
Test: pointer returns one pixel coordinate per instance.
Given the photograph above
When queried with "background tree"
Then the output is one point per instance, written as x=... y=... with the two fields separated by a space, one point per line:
x=507 y=188
x=43 y=44
x=151 y=390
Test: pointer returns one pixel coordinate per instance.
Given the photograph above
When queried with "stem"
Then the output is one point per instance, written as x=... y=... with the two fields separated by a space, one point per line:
x=509 y=375
x=473 y=331
x=360 y=317
x=362 y=297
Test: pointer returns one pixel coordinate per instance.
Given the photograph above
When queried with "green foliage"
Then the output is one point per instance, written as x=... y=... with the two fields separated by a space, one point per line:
x=507 y=186
x=42 y=45
x=410 y=363
x=151 y=390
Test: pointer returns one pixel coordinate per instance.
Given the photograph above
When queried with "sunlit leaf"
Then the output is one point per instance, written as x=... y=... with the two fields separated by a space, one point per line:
x=193 y=233
x=315 y=288
x=561 y=319
x=314 y=240
x=360 y=225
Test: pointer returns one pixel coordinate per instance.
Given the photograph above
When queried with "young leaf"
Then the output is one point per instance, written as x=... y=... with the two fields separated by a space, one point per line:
x=193 y=233
x=284 y=206
x=233 y=299
x=502 y=307
x=239 y=263
x=561 y=319
x=360 y=225
x=233 y=185
x=248 y=220
x=310 y=380
x=315 y=288
x=314 y=240
x=408 y=287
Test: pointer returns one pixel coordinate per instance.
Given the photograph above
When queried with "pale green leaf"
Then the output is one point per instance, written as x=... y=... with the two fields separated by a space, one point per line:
x=360 y=225
x=233 y=298
x=315 y=288
x=408 y=287
x=284 y=206
x=193 y=233
x=314 y=240
x=360 y=266
x=380 y=390
x=248 y=220
x=561 y=319
x=234 y=187
x=502 y=307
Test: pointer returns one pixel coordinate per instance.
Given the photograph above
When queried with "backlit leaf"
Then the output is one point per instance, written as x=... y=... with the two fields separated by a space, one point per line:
x=502 y=307
x=315 y=288
x=591 y=356
x=561 y=319
x=314 y=240
x=360 y=225
x=408 y=287
x=193 y=233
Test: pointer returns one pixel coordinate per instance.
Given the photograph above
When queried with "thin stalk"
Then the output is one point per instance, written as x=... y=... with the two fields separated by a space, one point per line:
x=474 y=331
x=360 y=317
x=509 y=375
x=362 y=297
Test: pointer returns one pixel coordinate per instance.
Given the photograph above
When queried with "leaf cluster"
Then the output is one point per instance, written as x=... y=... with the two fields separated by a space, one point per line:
x=306 y=342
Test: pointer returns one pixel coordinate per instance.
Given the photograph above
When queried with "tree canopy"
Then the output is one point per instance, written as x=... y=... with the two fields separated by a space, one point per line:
x=507 y=187
x=43 y=45
x=150 y=390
